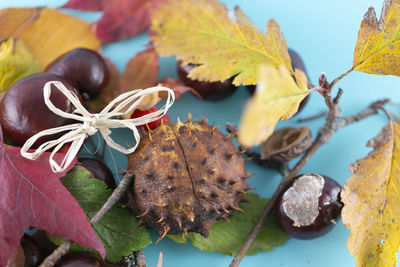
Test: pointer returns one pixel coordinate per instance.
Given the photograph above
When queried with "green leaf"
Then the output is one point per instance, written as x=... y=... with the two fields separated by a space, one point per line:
x=227 y=238
x=115 y=228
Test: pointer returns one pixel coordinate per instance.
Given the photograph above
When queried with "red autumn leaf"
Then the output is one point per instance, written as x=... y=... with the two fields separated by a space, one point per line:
x=121 y=18
x=32 y=195
x=85 y=5
x=124 y=18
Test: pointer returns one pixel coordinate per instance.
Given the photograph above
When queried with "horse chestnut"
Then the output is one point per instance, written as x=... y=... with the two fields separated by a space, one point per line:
x=213 y=91
x=84 y=69
x=79 y=259
x=32 y=251
x=23 y=112
x=99 y=170
x=309 y=206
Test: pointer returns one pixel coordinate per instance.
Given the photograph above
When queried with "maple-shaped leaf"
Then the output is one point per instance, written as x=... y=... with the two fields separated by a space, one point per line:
x=115 y=227
x=277 y=97
x=378 y=45
x=227 y=237
x=32 y=195
x=223 y=43
x=47 y=33
x=121 y=18
x=371 y=202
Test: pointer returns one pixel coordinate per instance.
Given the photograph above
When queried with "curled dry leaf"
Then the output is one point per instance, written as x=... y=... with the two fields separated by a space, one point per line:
x=286 y=144
x=46 y=32
x=16 y=62
x=32 y=195
x=371 y=202
x=378 y=45
x=234 y=46
x=277 y=97
x=178 y=88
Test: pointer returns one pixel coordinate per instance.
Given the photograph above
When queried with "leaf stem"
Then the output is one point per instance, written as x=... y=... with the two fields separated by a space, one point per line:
x=339 y=78
x=114 y=198
x=331 y=125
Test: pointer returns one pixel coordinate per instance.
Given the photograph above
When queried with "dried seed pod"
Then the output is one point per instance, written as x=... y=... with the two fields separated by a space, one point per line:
x=187 y=176
x=286 y=144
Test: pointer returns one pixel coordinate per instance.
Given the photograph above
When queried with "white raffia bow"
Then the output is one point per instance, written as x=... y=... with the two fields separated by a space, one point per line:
x=91 y=123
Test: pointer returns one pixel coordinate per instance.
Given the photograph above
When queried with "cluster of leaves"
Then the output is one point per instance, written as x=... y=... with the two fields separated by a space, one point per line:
x=238 y=48
x=113 y=231
x=36 y=197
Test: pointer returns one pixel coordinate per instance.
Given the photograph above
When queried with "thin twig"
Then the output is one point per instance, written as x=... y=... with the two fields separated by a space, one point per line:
x=56 y=255
x=339 y=78
x=313 y=117
x=331 y=125
x=115 y=196
x=370 y=110
x=141 y=259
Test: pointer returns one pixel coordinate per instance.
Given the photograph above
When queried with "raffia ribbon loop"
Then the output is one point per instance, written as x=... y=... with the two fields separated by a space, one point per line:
x=92 y=123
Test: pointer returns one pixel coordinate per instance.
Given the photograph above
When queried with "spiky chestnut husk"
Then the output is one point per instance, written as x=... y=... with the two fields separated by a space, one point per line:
x=186 y=177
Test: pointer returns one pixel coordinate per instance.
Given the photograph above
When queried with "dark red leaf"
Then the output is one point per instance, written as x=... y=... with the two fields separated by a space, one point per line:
x=32 y=195
x=124 y=18
x=85 y=5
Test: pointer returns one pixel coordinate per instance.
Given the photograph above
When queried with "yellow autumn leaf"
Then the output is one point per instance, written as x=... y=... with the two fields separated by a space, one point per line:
x=372 y=202
x=378 y=44
x=277 y=97
x=16 y=62
x=47 y=33
x=223 y=42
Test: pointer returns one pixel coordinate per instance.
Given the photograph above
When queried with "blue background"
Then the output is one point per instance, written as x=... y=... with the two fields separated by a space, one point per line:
x=324 y=34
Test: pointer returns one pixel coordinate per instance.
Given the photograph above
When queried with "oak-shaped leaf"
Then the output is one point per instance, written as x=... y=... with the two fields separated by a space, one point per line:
x=277 y=97
x=32 y=195
x=227 y=237
x=371 y=201
x=121 y=18
x=115 y=228
x=221 y=42
x=378 y=44
x=47 y=33
x=16 y=62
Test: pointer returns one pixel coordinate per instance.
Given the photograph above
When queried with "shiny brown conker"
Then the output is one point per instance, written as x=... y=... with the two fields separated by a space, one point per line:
x=84 y=69
x=213 y=91
x=309 y=206
x=23 y=112
x=98 y=170
x=79 y=259
x=32 y=251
